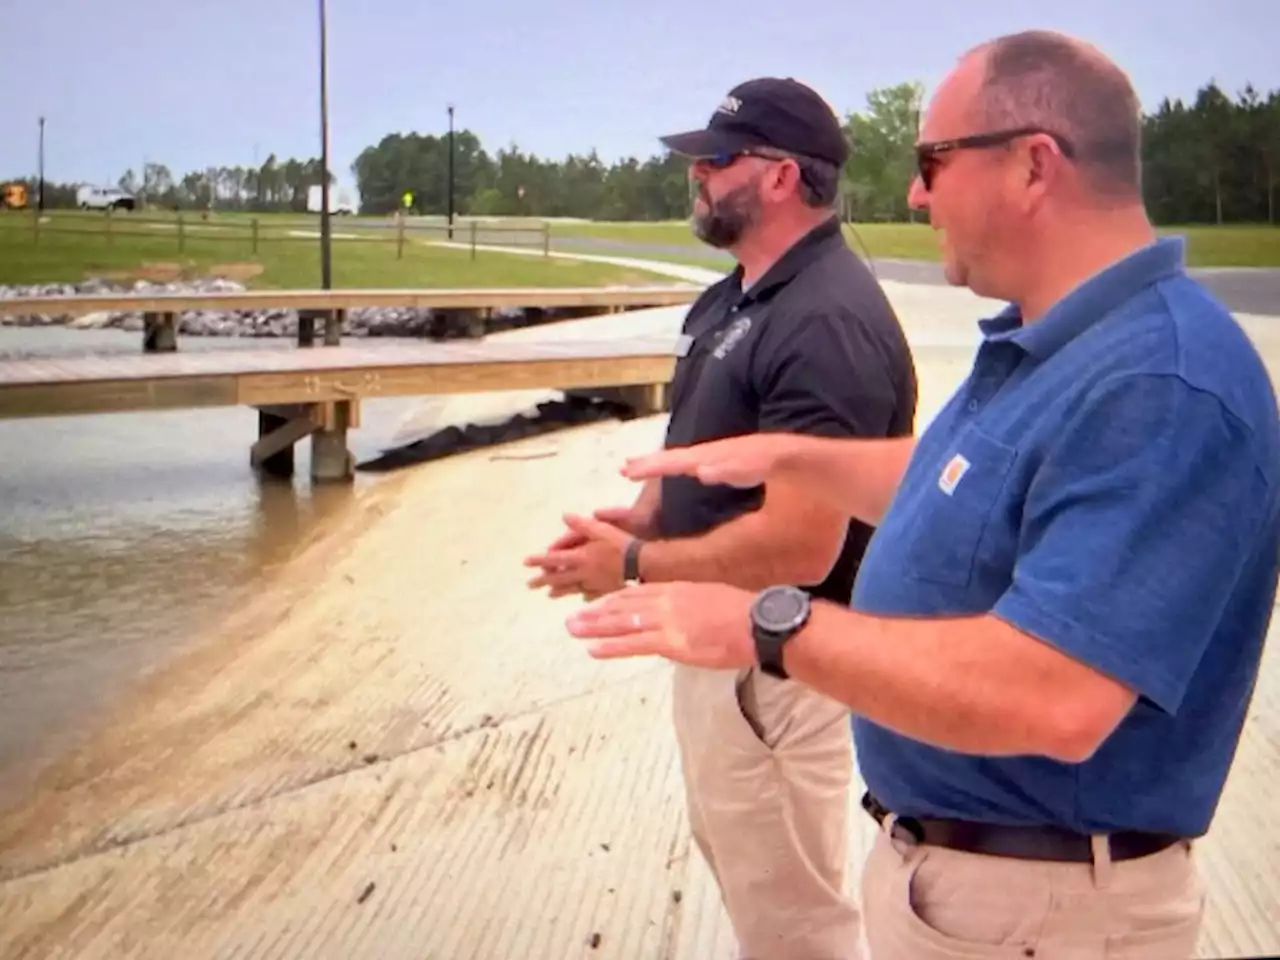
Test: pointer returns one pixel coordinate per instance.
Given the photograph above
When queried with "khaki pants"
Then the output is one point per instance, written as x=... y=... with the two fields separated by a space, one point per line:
x=767 y=769
x=931 y=903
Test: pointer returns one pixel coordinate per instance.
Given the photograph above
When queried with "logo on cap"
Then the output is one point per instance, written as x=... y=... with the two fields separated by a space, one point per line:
x=729 y=105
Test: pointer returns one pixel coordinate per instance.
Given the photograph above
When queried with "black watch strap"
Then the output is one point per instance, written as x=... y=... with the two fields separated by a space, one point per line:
x=776 y=616
x=631 y=561
x=769 y=653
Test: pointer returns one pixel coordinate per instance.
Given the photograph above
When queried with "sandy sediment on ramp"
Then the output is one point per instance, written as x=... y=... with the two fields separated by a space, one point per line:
x=401 y=688
x=398 y=751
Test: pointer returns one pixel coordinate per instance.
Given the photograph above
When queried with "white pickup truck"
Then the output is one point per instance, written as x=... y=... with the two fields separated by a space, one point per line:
x=104 y=198
x=340 y=201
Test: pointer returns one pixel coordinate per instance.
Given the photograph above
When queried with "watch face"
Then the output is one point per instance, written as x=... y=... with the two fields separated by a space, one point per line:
x=780 y=609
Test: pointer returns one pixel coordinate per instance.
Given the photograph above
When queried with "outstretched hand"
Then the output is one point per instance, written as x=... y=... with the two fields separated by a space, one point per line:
x=702 y=624
x=745 y=461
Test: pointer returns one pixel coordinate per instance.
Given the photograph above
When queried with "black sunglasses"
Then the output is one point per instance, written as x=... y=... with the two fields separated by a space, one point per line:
x=719 y=161
x=928 y=154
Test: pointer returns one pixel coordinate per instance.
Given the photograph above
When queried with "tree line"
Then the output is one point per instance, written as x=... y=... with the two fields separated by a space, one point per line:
x=275 y=187
x=1215 y=159
x=512 y=182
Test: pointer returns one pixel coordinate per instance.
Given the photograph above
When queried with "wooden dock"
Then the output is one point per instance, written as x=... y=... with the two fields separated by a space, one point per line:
x=316 y=392
x=114 y=384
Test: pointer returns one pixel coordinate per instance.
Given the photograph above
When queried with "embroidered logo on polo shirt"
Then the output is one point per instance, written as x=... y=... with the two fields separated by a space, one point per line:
x=732 y=335
x=952 y=474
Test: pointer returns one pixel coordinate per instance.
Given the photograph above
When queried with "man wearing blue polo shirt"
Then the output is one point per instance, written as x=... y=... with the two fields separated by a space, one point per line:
x=1058 y=624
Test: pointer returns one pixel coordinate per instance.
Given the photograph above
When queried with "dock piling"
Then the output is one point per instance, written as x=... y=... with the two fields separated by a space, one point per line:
x=334 y=321
x=280 y=427
x=159 y=333
x=307 y=327
x=331 y=461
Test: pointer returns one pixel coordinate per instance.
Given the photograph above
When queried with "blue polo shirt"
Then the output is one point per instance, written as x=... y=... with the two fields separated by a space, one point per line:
x=1106 y=481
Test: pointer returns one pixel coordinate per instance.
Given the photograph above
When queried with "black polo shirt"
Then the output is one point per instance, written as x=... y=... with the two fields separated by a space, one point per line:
x=813 y=347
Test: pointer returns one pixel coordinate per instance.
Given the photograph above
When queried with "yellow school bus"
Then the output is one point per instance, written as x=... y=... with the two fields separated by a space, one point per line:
x=13 y=196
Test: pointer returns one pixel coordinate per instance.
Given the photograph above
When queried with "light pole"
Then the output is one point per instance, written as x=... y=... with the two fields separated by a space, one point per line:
x=450 y=207
x=40 y=187
x=326 y=263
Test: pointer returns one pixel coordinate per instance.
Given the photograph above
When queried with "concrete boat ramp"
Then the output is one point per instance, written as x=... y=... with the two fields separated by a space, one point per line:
x=398 y=751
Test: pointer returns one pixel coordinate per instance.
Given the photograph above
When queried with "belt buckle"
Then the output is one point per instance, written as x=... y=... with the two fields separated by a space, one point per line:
x=913 y=828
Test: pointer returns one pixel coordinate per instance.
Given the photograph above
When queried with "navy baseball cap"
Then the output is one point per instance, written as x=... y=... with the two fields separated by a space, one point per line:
x=776 y=112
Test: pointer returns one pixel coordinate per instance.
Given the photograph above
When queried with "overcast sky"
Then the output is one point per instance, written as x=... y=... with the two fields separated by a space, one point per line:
x=192 y=83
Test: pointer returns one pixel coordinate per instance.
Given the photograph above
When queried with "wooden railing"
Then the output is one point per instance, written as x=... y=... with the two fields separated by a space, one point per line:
x=250 y=233
x=328 y=308
x=605 y=298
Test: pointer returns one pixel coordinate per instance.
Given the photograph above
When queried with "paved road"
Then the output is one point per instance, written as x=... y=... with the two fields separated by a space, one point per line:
x=1242 y=289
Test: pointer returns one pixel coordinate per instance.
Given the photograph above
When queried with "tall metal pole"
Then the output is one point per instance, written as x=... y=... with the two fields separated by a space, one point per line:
x=40 y=188
x=450 y=210
x=326 y=262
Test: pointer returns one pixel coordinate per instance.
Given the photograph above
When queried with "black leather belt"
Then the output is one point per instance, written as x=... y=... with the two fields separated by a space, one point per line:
x=1023 y=843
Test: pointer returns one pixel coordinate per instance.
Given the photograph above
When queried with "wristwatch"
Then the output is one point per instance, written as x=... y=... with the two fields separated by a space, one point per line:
x=631 y=561
x=777 y=615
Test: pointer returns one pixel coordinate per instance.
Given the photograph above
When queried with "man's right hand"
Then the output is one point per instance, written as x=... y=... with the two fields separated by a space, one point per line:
x=745 y=461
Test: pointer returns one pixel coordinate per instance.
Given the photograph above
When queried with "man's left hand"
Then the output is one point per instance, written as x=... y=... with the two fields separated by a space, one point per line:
x=587 y=559
x=701 y=624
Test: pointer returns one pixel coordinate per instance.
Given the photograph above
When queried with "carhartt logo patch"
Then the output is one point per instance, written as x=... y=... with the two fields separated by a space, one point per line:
x=952 y=474
x=729 y=105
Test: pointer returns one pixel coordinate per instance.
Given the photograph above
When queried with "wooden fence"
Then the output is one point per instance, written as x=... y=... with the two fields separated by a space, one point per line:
x=251 y=233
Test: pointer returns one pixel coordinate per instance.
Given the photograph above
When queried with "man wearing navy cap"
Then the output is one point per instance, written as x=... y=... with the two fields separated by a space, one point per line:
x=799 y=338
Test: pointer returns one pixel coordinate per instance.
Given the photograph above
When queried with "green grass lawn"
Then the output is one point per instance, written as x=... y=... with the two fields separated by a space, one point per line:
x=1207 y=246
x=1230 y=246
x=282 y=262
x=365 y=251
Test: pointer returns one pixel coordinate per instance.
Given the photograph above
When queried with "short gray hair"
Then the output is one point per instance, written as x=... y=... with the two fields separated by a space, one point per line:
x=1052 y=82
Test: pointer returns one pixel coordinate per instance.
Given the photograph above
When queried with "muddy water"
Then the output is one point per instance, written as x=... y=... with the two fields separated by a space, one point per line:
x=125 y=536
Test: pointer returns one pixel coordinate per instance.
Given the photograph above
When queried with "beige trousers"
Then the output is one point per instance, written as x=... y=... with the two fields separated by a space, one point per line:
x=931 y=903
x=767 y=769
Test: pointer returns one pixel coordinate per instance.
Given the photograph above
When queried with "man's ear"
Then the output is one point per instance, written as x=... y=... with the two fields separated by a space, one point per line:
x=782 y=179
x=1039 y=171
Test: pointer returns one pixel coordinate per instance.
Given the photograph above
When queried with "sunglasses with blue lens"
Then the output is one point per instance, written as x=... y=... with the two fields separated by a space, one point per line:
x=721 y=160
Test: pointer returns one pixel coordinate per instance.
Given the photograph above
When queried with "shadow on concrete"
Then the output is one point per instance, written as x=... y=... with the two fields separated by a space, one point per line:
x=572 y=411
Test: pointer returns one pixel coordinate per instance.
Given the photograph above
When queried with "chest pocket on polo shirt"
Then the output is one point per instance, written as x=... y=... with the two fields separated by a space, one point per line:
x=952 y=512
